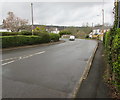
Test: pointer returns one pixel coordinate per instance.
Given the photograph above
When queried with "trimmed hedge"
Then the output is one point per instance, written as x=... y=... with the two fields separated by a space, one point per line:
x=116 y=57
x=20 y=40
x=12 y=41
x=16 y=33
x=112 y=51
x=10 y=33
x=25 y=33
x=112 y=48
x=54 y=37
x=21 y=33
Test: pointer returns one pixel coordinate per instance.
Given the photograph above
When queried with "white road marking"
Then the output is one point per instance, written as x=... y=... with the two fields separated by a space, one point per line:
x=23 y=56
x=8 y=62
x=39 y=53
x=20 y=58
x=9 y=59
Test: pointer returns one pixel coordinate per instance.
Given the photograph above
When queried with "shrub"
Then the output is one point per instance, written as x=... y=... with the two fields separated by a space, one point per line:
x=54 y=37
x=12 y=41
x=64 y=32
x=116 y=54
x=45 y=37
x=26 y=33
x=112 y=48
x=10 y=33
x=27 y=39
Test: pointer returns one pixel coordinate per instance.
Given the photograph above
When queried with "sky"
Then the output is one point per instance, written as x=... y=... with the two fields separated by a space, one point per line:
x=61 y=13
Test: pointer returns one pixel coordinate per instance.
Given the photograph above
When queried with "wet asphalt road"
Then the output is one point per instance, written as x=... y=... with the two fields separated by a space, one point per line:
x=94 y=86
x=46 y=71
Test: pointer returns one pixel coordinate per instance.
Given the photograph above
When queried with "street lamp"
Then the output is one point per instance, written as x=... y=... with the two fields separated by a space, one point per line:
x=32 y=16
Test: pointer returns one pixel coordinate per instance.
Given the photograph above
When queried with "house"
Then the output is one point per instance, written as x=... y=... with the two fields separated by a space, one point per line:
x=98 y=33
x=52 y=30
x=4 y=30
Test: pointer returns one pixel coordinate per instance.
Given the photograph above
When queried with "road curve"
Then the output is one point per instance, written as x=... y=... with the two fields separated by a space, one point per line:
x=46 y=71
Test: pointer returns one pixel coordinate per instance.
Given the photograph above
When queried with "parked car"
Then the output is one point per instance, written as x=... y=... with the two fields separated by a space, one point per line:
x=72 y=38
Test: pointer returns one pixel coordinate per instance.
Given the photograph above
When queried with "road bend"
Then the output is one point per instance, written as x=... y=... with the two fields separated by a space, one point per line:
x=45 y=71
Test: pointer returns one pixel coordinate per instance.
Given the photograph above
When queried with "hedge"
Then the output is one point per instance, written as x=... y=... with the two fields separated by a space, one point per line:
x=16 y=33
x=25 y=33
x=21 y=33
x=116 y=57
x=12 y=41
x=112 y=48
x=20 y=40
x=54 y=37
x=10 y=33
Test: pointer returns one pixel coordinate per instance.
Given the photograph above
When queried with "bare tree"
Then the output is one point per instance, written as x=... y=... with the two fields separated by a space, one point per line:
x=14 y=23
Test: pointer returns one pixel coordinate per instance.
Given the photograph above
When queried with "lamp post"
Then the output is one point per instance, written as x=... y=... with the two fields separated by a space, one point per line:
x=32 y=16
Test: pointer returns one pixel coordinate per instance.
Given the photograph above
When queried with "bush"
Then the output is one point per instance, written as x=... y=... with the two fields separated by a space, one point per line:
x=54 y=37
x=64 y=32
x=12 y=41
x=45 y=37
x=27 y=39
x=116 y=54
x=26 y=33
x=10 y=33
x=112 y=48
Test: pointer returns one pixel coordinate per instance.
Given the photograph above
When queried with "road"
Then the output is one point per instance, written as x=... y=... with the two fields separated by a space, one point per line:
x=45 y=71
x=94 y=86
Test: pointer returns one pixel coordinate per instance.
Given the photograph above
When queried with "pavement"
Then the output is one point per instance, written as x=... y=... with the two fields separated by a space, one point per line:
x=93 y=86
x=51 y=71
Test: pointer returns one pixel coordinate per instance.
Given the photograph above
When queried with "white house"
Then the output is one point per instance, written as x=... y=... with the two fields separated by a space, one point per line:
x=5 y=30
x=53 y=30
x=98 y=32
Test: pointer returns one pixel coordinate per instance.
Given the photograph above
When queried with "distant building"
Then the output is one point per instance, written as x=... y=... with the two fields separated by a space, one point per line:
x=5 y=30
x=98 y=33
x=52 y=30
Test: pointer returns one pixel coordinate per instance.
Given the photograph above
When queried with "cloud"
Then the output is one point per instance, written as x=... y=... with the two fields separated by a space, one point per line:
x=61 y=13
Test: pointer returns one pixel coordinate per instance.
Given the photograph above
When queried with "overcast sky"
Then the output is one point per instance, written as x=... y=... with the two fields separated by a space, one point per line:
x=60 y=13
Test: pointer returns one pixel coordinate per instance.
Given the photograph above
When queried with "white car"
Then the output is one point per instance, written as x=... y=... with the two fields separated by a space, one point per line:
x=72 y=38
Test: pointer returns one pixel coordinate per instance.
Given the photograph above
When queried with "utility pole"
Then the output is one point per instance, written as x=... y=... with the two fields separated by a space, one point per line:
x=32 y=16
x=118 y=13
x=103 y=17
x=92 y=27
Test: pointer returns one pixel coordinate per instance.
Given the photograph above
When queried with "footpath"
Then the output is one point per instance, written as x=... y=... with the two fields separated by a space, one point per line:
x=93 y=86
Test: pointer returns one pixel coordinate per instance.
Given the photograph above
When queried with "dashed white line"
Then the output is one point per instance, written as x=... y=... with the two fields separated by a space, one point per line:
x=9 y=59
x=39 y=53
x=20 y=58
x=8 y=62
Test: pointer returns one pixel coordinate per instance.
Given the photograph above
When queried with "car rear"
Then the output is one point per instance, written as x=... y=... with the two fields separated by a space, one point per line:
x=72 y=38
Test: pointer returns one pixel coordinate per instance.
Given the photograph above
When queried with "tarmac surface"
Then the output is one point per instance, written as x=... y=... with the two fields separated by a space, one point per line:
x=45 y=71
x=94 y=86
